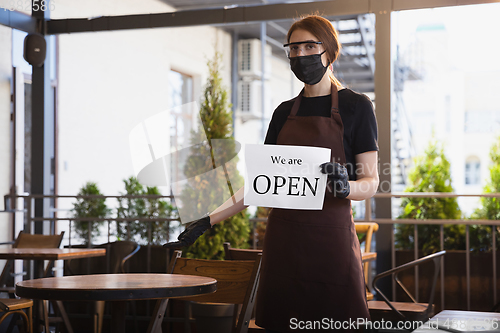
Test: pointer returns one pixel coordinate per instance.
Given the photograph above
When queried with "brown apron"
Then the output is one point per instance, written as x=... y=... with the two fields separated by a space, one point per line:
x=311 y=265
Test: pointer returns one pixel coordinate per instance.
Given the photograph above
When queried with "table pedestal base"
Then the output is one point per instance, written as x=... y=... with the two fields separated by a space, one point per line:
x=118 y=311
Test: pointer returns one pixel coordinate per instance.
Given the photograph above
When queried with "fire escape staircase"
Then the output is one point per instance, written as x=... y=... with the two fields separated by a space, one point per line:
x=356 y=67
x=356 y=64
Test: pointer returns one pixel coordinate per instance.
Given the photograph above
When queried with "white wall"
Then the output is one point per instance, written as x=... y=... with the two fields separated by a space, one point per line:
x=108 y=83
x=437 y=105
x=479 y=88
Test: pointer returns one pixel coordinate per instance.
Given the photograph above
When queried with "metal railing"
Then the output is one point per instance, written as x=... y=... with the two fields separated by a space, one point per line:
x=441 y=223
x=31 y=219
x=416 y=222
x=11 y=203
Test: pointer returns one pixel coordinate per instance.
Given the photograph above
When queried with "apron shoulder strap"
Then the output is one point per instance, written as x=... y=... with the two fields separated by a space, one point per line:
x=296 y=104
x=335 y=99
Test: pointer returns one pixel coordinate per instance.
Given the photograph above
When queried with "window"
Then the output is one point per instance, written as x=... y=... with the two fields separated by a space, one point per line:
x=482 y=121
x=181 y=121
x=472 y=171
x=181 y=88
x=423 y=123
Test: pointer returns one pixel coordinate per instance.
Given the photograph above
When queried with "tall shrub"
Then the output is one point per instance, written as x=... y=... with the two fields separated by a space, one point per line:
x=142 y=231
x=481 y=235
x=431 y=173
x=216 y=121
x=89 y=208
x=260 y=226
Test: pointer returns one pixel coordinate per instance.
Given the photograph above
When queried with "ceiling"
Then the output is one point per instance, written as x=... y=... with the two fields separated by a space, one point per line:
x=275 y=31
x=199 y=4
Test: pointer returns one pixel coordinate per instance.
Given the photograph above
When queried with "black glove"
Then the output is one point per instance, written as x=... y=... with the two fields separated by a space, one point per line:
x=338 y=177
x=191 y=234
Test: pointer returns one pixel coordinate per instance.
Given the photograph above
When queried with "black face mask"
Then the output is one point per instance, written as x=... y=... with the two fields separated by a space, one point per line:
x=308 y=69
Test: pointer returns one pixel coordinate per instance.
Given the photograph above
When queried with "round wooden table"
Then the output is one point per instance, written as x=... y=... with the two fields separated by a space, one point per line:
x=117 y=288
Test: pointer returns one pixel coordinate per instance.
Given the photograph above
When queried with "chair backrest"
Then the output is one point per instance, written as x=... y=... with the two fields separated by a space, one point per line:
x=231 y=253
x=117 y=253
x=366 y=228
x=237 y=282
x=435 y=257
x=36 y=241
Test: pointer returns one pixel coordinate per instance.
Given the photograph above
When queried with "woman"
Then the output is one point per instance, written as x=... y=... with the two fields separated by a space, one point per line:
x=311 y=268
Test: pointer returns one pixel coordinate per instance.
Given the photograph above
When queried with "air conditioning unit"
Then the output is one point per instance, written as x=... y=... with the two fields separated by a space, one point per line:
x=249 y=58
x=249 y=99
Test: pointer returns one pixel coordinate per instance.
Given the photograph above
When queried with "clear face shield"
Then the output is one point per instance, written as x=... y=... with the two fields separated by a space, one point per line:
x=298 y=49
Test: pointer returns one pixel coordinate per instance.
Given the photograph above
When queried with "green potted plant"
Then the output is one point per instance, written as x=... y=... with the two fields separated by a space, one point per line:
x=152 y=232
x=143 y=232
x=430 y=173
x=89 y=208
x=216 y=121
x=216 y=124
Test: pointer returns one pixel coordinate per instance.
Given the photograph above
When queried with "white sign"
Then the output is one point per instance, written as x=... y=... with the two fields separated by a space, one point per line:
x=285 y=176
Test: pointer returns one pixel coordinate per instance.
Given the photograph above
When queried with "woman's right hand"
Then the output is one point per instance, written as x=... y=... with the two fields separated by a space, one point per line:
x=191 y=234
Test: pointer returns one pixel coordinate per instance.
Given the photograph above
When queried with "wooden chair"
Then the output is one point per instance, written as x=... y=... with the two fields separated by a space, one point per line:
x=244 y=254
x=367 y=229
x=117 y=254
x=12 y=306
x=236 y=284
x=25 y=240
x=231 y=253
x=405 y=311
